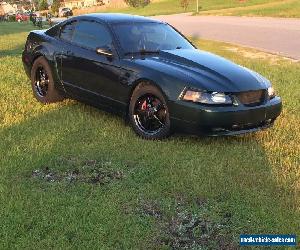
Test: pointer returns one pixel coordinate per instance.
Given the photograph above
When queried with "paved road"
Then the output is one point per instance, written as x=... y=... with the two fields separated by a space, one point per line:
x=276 y=35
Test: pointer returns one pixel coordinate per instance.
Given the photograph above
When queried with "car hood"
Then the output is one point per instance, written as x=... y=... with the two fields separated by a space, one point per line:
x=208 y=71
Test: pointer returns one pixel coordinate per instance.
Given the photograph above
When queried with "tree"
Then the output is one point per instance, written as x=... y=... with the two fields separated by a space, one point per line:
x=184 y=4
x=55 y=6
x=11 y=1
x=43 y=5
x=137 y=3
x=35 y=4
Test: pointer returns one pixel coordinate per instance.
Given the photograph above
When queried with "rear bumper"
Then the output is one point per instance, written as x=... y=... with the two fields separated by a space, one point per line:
x=215 y=121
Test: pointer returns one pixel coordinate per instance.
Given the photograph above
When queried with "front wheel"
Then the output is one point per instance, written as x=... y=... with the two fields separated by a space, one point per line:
x=148 y=112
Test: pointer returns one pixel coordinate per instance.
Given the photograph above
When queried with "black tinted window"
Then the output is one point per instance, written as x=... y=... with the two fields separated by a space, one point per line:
x=91 y=35
x=54 y=31
x=67 y=31
x=134 y=37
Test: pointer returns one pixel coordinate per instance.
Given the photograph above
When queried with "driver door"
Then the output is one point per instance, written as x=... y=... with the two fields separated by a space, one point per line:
x=87 y=75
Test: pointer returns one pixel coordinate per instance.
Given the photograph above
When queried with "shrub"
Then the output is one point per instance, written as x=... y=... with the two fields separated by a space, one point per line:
x=12 y=18
x=36 y=4
x=55 y=6
x=184 y=4
x=137 y=3
x=43 y=5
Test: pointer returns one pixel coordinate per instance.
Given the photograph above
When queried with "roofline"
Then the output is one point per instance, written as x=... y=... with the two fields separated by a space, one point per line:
x=113 y=18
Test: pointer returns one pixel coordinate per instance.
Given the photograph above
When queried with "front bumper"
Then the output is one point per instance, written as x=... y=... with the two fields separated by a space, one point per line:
x=26 y=63
x=231 y=120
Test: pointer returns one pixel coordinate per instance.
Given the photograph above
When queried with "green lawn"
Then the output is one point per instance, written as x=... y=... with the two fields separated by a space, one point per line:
x=74 y=177
x=173 y=6
x=288 y=8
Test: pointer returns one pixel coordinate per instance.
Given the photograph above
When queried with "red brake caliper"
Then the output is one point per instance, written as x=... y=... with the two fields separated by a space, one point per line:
x=144 y=105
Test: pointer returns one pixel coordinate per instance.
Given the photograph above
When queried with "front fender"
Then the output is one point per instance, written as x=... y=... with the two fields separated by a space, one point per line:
x=43 y=51
x=166 y=79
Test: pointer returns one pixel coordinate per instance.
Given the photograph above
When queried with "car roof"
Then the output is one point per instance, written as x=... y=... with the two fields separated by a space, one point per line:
x=117 y=18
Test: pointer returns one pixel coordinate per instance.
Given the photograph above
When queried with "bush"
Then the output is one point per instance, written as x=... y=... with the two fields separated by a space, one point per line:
x=55 y=6
x=184 y=4
x=43 y=5
x=36 y=4
x=12 y=18
x=137 y=3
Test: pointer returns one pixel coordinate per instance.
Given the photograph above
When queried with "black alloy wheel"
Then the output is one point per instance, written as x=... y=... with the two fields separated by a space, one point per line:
x=41 y=81
x=148 y=112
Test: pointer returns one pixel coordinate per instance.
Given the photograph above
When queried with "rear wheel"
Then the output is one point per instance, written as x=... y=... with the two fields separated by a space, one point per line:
x=148 y=112
x=42 y=82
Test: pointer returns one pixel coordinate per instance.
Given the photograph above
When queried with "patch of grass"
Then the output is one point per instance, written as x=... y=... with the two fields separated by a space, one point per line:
x=14 y=28
x=165 y=7
x=255 y=178
x=275 y=8
x=290 y=8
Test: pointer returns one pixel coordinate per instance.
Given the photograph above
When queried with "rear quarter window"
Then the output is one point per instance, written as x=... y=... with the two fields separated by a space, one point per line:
x=54 y=31
x=66 y=32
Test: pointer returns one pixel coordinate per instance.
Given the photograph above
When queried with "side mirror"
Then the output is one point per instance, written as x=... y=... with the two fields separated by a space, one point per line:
x=105 y=51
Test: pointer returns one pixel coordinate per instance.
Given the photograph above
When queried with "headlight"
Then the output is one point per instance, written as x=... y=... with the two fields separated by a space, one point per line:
x=206 y=97
x=271 y=92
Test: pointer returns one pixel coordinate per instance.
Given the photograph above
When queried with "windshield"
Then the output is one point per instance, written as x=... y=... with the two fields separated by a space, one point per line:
x=137 y=37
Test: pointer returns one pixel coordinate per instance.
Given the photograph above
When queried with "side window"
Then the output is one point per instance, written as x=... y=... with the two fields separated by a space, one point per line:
x=67 y=31
x=91 y=35
x=54 y=31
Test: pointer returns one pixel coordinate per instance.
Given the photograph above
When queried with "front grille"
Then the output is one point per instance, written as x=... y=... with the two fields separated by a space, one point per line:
x=252 y=98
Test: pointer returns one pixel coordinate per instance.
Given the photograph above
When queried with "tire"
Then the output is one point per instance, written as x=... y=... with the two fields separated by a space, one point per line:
x=147 y=101
x=49 y=93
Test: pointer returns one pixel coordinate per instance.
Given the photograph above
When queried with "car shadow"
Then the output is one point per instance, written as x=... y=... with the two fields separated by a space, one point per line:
x=16 y=51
